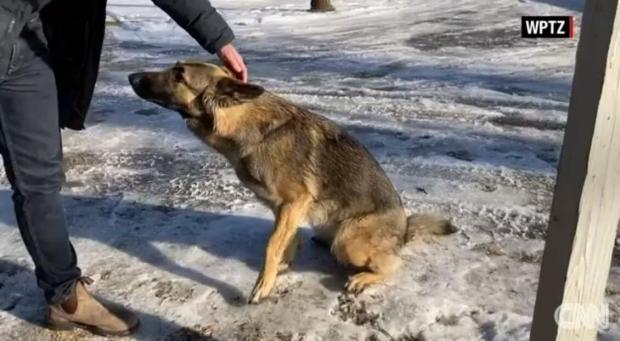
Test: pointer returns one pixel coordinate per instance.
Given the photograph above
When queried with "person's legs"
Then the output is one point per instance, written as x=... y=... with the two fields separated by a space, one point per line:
x=30 y=145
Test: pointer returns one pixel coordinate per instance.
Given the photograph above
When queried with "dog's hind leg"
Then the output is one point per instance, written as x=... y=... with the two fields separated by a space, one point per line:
x=381 y=266
x=290 y=215
x=371 y=245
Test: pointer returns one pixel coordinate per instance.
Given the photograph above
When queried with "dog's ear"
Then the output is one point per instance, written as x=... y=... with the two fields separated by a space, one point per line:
x=229 y=91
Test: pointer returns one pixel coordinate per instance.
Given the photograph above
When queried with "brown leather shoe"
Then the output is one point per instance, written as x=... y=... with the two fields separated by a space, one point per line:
x=82 y=310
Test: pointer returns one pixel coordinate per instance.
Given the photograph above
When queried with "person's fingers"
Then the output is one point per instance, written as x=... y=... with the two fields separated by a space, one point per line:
x=244 y=75
x=240 y=67
x=243 y=70
x=233 y=60
x=234 y=64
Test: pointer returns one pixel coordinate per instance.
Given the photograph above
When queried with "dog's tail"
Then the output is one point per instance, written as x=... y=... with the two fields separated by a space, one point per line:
x=427 y=224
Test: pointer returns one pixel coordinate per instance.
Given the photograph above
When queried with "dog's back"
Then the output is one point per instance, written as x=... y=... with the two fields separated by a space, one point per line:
x=351 y=183
x=305 y=148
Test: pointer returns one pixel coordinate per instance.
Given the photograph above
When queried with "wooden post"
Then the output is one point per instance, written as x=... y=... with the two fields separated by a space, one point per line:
x=586 y=203
x=321 y=6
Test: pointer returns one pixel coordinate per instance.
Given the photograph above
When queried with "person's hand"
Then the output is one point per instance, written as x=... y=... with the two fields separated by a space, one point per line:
x=232 y=60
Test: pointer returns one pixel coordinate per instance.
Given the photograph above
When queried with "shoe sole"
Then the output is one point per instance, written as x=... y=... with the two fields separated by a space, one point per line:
x=67 y=325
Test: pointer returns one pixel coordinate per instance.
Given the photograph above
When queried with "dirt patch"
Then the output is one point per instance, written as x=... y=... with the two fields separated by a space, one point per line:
x=498 y=103
x=196 y=333
x=477 y=39
x=349 y=308
x=490 y=249
x=520 y=121
x=248 y=331
x=173 y=291
x=462 y=155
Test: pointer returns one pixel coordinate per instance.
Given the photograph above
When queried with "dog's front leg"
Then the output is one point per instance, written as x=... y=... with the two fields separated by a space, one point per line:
x=288 y=219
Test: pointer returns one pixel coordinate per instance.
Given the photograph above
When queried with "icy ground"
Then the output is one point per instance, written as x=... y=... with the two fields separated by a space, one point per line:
x=465 y=116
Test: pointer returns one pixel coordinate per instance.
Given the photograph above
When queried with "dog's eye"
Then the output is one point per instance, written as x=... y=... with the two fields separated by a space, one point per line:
x=178 y=73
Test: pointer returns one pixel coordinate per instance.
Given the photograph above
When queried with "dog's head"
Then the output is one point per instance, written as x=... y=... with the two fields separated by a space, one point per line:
x=193 y=89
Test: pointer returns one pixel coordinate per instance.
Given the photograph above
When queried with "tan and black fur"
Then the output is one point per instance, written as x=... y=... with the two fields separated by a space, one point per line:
x=301 y=165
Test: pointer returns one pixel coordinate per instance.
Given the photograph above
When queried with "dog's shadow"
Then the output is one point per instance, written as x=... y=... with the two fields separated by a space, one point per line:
x=135 y=228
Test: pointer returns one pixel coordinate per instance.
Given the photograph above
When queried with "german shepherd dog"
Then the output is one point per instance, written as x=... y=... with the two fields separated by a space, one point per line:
x=301 y=165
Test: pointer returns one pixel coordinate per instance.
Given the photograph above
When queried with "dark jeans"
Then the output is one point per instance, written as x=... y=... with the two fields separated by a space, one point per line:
x=30 y=144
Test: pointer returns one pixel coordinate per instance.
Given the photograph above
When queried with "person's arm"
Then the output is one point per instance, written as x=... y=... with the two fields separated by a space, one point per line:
x=200 y=20
x=208 y=28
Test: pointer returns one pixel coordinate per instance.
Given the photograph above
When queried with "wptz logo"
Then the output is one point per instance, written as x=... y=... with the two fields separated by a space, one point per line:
x=547 y=27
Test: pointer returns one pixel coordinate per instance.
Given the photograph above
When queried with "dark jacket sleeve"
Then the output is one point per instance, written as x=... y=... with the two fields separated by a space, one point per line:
x=200 y=20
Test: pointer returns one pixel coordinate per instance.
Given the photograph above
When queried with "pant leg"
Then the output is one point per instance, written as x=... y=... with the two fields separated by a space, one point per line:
x=30 y=144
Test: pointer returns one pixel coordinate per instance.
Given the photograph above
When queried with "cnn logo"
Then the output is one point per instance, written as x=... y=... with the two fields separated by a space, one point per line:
x=588 y=316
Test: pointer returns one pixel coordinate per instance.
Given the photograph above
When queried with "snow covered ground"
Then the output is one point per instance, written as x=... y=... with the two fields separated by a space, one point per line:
x=465 y=116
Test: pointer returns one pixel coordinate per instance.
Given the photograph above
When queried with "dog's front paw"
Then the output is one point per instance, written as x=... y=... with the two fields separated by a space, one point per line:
x=262 y=288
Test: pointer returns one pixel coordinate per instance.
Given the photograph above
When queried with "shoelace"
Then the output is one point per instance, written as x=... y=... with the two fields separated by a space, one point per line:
x=70 y=305
x=86 y=280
